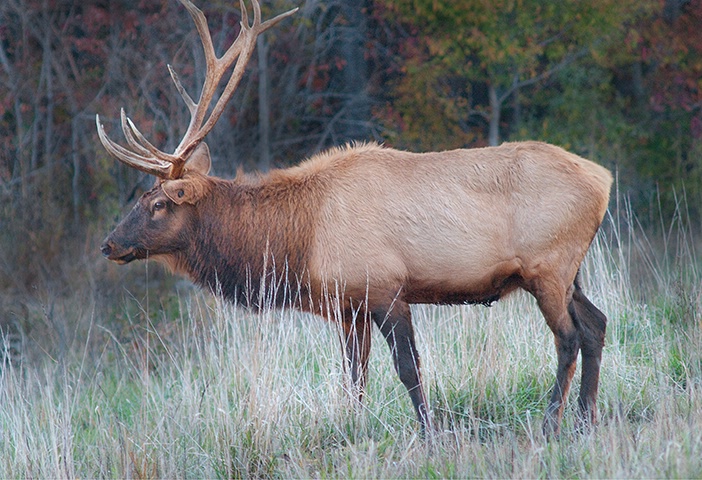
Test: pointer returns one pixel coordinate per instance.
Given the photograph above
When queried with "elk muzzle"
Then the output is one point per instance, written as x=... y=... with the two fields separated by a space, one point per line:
x=111 y=251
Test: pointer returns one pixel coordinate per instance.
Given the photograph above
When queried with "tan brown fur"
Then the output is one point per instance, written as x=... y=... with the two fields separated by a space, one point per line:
x=461 y=219
x=365 y=230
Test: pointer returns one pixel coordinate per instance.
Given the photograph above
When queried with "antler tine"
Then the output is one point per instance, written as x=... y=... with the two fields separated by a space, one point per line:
x=179 y=86
x=245 y=14
x=127 y=126
x=197 y=112
x=145 y=164
x=256 y=28
x=139 y=142
x=274 y=21
x=256 y=9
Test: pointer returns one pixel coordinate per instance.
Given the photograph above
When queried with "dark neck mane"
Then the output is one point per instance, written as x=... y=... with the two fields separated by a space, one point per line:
x=252 y=241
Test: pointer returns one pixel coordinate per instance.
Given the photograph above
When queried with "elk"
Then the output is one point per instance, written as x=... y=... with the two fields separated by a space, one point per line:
x=358 y=233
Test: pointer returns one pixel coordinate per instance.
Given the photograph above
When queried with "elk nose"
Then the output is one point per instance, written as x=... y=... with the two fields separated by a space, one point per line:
x=106 y=249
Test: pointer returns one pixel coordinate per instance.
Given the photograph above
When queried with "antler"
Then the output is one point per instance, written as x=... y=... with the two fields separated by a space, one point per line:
x=146 y=157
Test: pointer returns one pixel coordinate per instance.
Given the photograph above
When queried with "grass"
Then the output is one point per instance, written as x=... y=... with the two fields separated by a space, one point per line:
x=181 y=385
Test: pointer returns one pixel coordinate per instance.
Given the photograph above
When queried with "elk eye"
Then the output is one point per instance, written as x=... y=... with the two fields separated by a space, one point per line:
x=159 y=205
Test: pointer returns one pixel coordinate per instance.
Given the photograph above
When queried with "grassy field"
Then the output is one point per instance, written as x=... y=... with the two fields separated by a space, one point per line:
x=182 y=386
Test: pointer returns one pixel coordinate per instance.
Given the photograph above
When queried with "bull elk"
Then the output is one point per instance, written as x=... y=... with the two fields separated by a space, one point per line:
x=359 y=233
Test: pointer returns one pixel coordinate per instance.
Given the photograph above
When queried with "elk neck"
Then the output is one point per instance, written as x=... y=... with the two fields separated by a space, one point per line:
x=251 y=240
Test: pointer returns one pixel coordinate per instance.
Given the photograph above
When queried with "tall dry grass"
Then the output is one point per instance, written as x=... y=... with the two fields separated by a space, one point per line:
x=186 y=386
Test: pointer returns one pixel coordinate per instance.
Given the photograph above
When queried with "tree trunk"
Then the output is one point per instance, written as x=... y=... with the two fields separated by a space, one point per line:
x=264 y=111
x=495 y=112
x=75 y=182
x=355 y=73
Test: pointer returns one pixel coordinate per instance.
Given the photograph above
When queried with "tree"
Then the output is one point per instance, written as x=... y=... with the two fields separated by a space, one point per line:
x=669 y=48
x=493 y=49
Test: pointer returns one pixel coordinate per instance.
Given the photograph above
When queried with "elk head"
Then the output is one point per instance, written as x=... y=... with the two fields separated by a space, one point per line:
x=156 y=224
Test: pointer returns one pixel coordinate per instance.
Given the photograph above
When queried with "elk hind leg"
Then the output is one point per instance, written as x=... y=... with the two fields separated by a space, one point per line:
x=591 y=324
x=551 y=298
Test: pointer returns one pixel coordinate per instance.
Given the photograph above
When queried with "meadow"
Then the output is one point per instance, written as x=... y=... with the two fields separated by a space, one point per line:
x=169 y=382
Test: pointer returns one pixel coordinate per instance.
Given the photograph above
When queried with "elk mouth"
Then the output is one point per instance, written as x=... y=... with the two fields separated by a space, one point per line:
x=121 y=258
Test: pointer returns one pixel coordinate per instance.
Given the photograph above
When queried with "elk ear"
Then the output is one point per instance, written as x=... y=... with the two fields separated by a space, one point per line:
x=199 y=161
x=186 y=190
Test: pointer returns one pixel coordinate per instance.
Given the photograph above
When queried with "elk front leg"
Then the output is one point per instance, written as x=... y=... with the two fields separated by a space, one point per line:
x=356 y=340
x=395 y=323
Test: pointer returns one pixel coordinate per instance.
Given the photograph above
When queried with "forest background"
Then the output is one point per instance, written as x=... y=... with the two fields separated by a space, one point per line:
x=616 y=81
